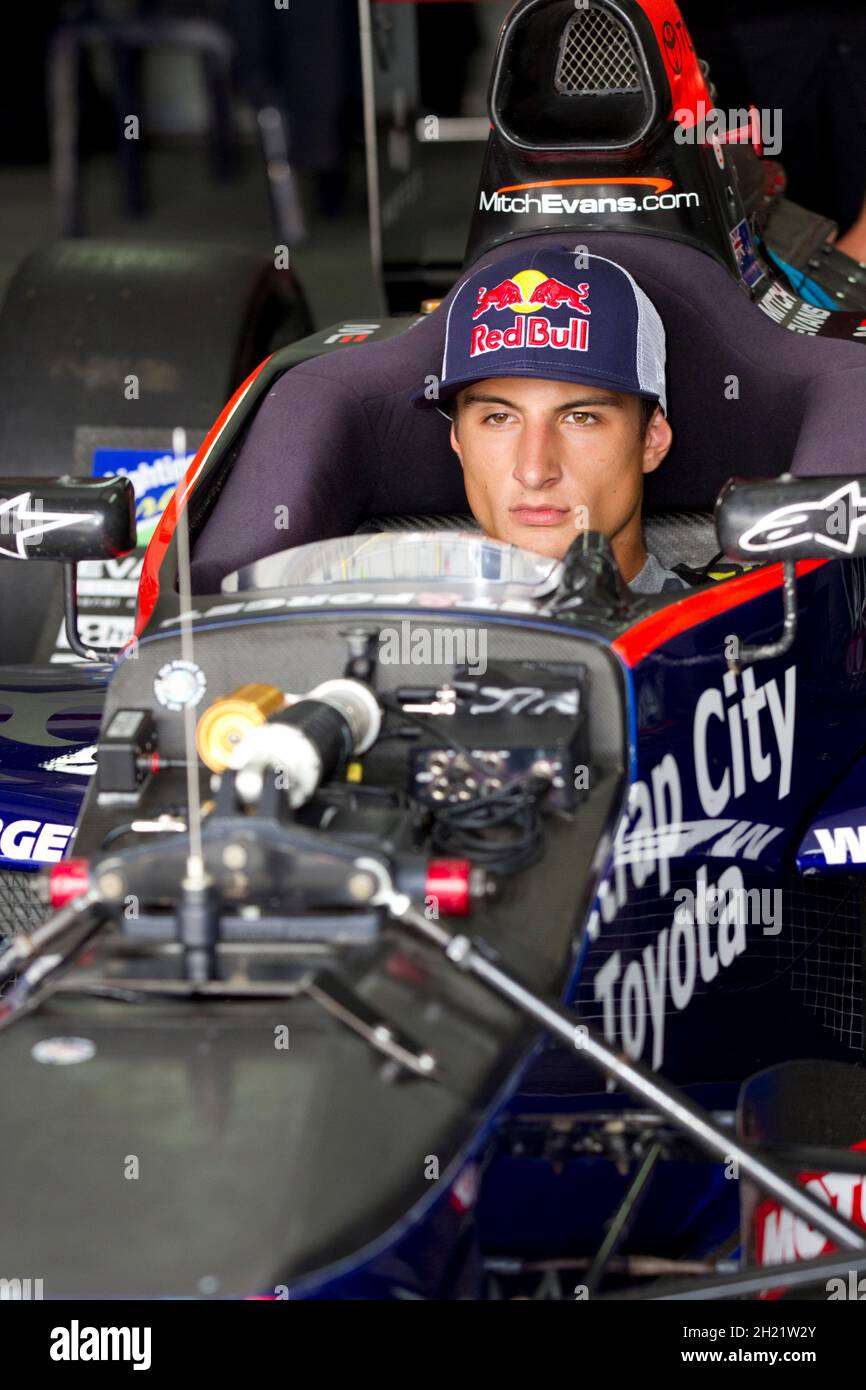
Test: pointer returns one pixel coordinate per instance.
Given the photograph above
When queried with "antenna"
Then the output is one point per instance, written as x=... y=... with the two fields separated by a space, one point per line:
x=198 y=914
x=195 y=873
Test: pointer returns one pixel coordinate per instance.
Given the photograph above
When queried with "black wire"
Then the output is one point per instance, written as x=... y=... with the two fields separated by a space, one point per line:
x=115 y=833
x=118 y=831
x=501 y=830
x=437 y=734
x=472 y=829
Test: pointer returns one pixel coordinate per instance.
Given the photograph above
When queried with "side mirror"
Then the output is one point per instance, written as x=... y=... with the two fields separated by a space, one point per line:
x=68 y=520
x=792 y=519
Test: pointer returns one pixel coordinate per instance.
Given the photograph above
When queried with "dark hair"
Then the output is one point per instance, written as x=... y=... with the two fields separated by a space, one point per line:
x=647 y=411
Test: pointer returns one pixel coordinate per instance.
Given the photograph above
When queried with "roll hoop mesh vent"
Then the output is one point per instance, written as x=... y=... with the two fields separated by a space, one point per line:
x=596 y=57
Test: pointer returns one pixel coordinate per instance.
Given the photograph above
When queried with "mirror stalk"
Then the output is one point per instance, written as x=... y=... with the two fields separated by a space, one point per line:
x=70 y=620
x=768 y=651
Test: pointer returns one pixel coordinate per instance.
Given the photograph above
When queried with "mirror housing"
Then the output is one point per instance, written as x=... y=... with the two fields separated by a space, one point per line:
x=66 y=519
x=786 y=518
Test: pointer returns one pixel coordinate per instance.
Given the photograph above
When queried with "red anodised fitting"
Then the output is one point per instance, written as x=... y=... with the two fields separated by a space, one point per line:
x=448 y=883
x=69 y=879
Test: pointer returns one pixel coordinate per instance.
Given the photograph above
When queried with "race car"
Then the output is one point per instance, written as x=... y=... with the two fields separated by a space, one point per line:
x=442 y=920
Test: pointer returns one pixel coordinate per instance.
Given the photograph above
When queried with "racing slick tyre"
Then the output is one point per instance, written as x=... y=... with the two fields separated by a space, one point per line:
x=105 y=349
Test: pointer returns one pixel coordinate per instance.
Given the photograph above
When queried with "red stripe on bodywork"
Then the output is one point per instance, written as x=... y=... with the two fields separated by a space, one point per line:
x=688 y=612
x=148 y=588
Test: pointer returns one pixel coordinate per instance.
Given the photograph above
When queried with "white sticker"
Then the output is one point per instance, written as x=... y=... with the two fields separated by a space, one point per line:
x=178 y=684
x=63 y=1052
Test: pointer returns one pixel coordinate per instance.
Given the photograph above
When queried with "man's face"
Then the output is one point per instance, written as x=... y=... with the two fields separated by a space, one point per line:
x=543 y=460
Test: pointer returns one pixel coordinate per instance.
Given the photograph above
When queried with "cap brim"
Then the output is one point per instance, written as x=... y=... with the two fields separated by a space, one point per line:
x=422 y=401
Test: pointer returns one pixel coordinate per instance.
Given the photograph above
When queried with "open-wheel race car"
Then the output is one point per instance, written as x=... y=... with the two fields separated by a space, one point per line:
x=440 y=919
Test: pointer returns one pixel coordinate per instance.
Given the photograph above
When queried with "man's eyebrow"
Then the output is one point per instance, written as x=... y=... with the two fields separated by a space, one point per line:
x=475 y=398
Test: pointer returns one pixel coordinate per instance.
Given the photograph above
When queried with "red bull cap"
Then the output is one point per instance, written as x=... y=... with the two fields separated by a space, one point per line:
x=555 y=315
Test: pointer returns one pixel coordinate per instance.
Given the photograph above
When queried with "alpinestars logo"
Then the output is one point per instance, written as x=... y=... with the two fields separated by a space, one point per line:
x=26 y=523
x=836 y=521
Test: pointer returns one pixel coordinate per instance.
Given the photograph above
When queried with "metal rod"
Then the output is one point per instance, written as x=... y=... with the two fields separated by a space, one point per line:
x=70 y=620
x=752 y=1281
x=63 y=106
x=25 y=946
x=768 y=651
x=813 y=1156
x=641 y=1266
x=195 y=863
x=282 y=184
x=44 y=972
x=371 y=141
x=623 y=1218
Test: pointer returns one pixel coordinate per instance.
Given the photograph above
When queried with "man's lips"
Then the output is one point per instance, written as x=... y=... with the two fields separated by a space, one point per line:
x=539 y=516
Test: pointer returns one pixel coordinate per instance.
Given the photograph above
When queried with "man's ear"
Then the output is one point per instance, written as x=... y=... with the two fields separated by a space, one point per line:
x=657 y=441
x=455 y=442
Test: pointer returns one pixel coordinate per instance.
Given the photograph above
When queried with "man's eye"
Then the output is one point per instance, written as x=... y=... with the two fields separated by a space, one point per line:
x=499 y=417
x=582 y=417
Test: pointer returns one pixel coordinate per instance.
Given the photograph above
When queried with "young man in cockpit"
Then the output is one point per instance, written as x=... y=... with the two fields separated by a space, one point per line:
x=554 y=380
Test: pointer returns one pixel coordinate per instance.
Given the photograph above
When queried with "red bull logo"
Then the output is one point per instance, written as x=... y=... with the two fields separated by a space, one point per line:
x=525 y=294
x=531 y=333
x=528 y=291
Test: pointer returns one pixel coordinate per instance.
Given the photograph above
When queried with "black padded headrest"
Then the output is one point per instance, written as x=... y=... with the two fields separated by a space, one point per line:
x=336 y=440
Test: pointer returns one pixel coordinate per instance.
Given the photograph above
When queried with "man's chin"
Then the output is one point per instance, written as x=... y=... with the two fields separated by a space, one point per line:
x=552 y=541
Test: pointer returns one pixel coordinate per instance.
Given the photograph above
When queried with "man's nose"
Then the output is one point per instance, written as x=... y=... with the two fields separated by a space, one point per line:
x=537 y=465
